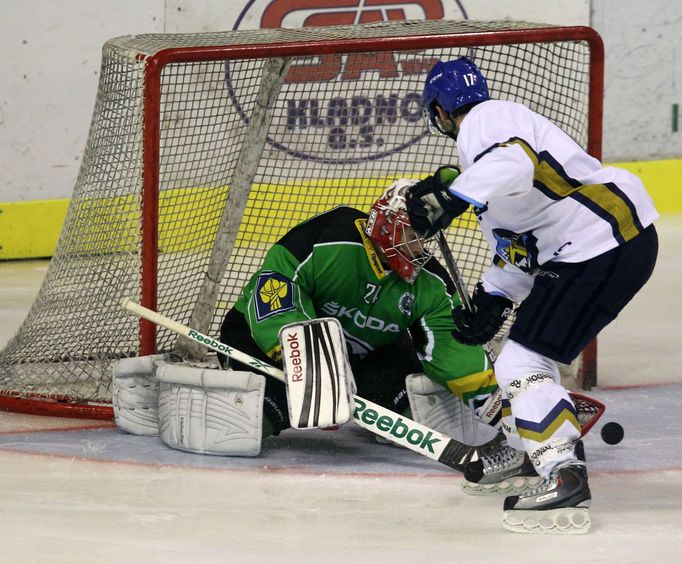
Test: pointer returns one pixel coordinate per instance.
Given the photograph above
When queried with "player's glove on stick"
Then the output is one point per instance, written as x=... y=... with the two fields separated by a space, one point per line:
x=430 y=205
x=481 y=325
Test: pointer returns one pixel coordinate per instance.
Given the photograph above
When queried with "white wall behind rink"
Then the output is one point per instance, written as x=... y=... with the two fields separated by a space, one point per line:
x=51 y=56
x=50 y=69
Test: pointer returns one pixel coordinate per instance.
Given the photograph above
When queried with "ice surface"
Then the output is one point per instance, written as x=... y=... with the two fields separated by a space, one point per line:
x=83 y=491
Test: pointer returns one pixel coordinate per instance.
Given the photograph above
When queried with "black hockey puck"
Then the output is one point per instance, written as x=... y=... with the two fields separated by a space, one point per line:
x=612 y=433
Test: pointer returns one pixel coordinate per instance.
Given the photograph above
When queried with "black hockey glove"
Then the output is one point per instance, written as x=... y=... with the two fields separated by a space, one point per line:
x=430 y=205
x=490 y=312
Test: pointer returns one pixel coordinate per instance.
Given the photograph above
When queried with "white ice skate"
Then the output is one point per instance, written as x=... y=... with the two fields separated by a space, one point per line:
x=559 y=504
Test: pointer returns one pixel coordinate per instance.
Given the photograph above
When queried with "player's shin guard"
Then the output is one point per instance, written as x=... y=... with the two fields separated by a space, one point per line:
x=546 y=421
x=544 y=414
x=545 y=418
x=508 y=426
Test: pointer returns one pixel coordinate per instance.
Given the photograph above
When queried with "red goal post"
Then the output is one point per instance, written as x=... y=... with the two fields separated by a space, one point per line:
x=205 y=148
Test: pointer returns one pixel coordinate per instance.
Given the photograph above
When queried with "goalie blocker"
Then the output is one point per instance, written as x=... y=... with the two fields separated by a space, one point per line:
x=319 y=381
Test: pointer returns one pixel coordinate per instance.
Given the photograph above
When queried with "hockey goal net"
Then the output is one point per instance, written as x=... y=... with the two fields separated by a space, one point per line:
x=205 y=148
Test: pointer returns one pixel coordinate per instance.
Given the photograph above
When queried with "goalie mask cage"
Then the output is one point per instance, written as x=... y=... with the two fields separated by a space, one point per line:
x=205 y=148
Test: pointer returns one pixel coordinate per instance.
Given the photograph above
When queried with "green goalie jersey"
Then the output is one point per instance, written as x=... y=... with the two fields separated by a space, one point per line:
x=328 y=267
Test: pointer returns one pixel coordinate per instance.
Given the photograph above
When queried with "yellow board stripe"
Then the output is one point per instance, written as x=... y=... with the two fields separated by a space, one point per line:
x=661 y=179
x=30 y=229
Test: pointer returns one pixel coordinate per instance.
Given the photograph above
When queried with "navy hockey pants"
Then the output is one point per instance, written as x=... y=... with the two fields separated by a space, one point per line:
x=570 y=303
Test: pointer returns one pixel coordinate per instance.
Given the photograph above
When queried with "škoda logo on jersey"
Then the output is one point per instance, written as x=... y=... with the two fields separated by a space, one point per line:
x=344 y=108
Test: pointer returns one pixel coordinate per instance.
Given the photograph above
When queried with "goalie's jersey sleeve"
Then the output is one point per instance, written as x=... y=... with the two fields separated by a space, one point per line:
x=328 y=267
x=538 y=195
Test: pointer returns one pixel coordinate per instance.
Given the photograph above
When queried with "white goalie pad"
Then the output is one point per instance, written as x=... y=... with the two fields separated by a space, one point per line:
x=319 y=380
x=135 y=395
x=436 y=407
x=207 y=411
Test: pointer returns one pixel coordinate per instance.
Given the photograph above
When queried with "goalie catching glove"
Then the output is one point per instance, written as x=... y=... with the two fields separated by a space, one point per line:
x=430 y=205
x=319 y=380
x=481 y=325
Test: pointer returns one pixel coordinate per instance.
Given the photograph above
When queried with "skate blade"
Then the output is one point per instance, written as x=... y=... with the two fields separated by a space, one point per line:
x=514 y=486
x=562 y=521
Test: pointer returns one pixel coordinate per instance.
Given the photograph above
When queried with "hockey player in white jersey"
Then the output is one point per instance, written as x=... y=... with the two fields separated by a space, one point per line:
x=573 y=241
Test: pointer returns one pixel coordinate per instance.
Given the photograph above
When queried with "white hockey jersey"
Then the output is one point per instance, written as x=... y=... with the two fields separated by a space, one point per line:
x=538 y=195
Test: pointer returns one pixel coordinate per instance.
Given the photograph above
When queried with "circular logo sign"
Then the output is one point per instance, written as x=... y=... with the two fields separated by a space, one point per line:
x=341 y=108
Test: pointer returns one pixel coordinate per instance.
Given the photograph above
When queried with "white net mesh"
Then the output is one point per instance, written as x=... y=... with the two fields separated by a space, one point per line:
x=344 y=125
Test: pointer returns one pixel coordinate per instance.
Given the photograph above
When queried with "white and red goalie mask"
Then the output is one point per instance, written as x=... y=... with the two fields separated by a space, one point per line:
x=388 y=226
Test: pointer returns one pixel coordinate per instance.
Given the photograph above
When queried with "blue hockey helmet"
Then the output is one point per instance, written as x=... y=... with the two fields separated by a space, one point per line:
x=453 y=85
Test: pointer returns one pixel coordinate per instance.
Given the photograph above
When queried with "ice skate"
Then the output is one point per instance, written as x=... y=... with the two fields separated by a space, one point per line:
x=505 y=471
x=557 y=505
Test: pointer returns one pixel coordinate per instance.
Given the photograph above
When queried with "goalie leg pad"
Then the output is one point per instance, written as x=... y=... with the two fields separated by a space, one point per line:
x=319 y=380
x=206 y=411
x=135 y=395
x=436 y=407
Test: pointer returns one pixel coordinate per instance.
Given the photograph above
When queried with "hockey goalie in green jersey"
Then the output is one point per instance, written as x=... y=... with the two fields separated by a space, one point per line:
x=394 y=302
x=351 y=305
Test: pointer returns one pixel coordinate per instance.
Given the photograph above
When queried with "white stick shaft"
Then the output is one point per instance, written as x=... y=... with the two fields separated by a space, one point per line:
x=461 y=287
x=163 y=321
x=367 y=414
x=494 y=403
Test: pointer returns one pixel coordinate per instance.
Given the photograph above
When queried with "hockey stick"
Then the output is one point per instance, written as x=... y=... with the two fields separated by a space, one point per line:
x=368 y=415
x=461 y=288
x=588 y=409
